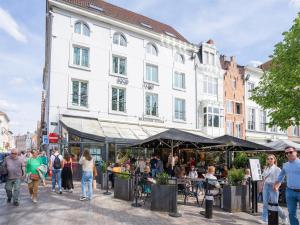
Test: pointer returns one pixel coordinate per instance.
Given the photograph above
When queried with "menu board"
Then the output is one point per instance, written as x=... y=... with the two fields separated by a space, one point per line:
x=255 y=169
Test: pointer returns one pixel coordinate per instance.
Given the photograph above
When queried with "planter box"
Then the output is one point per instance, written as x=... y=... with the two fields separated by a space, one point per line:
x=232 y=198
x=245 y=198
x=124 y=189
x=163 y=197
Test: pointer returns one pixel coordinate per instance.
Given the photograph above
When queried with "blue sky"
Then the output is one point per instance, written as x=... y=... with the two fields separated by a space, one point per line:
x=246 y=29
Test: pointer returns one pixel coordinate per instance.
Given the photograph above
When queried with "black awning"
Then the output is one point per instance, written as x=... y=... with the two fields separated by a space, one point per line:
x=237 y=144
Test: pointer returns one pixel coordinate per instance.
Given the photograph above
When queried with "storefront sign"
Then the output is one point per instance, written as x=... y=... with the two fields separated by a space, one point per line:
x=53 y=137
x=45 y=140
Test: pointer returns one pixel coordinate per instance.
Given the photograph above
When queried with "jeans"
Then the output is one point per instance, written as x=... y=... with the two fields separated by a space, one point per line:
x=269 y=195
x=12 y=188
x=56 y=176
x=154 y=172
x=87 y=177
x=292 y=200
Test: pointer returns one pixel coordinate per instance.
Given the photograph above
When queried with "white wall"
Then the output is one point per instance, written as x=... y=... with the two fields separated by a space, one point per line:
x=100 y=79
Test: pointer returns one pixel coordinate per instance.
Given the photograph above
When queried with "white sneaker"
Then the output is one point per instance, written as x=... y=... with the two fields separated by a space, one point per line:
x=82 y=199
x=285 y=221
x=34 y=200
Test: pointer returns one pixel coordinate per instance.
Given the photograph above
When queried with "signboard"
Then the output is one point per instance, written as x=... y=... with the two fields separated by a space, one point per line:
x=255 y=169
x=53 y=137
x=45 y=140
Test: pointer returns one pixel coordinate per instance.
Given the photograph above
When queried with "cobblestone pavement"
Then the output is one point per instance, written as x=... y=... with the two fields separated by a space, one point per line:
x=64 y=209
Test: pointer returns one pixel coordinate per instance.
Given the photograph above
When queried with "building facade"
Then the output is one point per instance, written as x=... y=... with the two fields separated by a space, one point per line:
x=109 y=79
x=234 y=97
x=6 y=139
x=209 y=90
x=257 y=120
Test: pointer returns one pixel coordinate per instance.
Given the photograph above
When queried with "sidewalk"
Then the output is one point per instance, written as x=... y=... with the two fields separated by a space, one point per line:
x=55 y=209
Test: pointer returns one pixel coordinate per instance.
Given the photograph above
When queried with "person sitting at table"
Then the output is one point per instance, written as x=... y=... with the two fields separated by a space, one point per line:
x=146 y=179
x=212 y=179
x=246 y=177
x=193 y=173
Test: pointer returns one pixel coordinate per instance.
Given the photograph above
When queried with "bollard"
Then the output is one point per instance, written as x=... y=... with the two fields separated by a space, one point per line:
x=209 y=200
x=173 y=211
x=273 y=214
x=107 y=178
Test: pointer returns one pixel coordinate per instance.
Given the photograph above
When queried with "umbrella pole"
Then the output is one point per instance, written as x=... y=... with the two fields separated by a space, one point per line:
x=172 y=154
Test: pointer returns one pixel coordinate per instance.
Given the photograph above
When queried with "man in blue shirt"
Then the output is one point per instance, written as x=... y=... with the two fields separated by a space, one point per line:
x=291 y=170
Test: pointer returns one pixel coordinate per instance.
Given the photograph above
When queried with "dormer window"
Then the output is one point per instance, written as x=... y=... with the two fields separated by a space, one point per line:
x=82 y=29
x=119 y=39
x=151 y=49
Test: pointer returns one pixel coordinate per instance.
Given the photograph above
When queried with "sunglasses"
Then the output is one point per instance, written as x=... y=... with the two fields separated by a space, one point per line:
x=289 y=153
x=14 y=153
x=270 y=159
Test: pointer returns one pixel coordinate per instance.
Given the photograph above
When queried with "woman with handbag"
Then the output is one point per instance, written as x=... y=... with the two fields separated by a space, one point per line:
x=270 y=176
x=32 y=165
x=87 y=163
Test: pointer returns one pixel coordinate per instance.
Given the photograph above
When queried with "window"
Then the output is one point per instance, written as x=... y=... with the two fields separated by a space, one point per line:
x=210 y=85
x=179 y=80
x=229 y=106
x=229 y=128
x=119 y=39
x=238 y=108
x=81 y=56
x=250 y=88
x=151 y=104
x=295 y=130
x=251 y=119
x=205 y=57
x=179 y=58
x=274 y=129
x=263 y=120
x=213 y=116
x=151 y=49
x=82 y=28
x=211 y=59
x=238 y=128
x=118 y=99
x=119 y=65
x=179 y=109
x=79 y=93
x=152 y=73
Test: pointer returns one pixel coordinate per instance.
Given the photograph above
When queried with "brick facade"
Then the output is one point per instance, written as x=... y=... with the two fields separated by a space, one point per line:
x=234 y=98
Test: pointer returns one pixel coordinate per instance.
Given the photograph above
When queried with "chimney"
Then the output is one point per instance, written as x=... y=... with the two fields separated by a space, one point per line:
x=233 y=59
x=210 y=41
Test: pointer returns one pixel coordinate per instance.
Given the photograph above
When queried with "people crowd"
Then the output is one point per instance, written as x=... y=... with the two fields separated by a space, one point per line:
x=34 y=167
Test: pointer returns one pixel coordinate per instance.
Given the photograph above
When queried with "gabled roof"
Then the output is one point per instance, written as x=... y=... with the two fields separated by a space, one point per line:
x=266 y=66
x=109 y=10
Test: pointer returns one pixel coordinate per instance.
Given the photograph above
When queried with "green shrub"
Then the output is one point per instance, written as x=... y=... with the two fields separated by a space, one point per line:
x=162 y=179
x=236 y=176
x=240 y=160
x=104 y=167
x=124 y=175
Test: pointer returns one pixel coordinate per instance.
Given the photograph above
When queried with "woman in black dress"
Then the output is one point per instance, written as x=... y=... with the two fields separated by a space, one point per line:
x=67 y=174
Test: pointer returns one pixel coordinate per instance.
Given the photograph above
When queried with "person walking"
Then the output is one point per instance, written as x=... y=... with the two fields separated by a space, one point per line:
x=15 y=166
x=32 y=165
x=291 y=170
x=87 y=163
x=56 y=165
x=67 y=174
x=270 y=176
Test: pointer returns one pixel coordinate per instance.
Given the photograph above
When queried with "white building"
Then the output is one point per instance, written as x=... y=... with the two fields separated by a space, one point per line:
x=210 y=99
x=5 y=133
x=257 y=128
x=112 y=76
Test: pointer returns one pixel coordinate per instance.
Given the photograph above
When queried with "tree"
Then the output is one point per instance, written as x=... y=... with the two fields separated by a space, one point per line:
x=279 y=89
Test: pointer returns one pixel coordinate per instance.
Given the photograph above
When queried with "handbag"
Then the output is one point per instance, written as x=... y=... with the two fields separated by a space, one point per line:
x=34 y=177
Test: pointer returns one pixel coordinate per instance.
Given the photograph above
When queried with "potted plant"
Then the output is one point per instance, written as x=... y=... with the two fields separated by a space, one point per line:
x=163 y=194
x=124 y=187
x=233 y=192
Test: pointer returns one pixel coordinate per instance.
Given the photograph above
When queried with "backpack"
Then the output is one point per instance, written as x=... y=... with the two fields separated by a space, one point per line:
x=3 y=168
x=56 y=162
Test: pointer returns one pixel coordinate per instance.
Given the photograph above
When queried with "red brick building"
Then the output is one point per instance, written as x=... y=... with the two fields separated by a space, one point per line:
x=234 y=97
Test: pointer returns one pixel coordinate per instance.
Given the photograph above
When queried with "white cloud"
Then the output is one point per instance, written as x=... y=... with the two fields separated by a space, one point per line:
x=9 y=25
x=295 y=3
x=7 y=106
x=17 y=81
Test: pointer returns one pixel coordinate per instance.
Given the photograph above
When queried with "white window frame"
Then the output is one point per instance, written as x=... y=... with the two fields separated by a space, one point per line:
x=149 y=49
x=263 y=120
x=214 y=82
x=238 y=128
x=229 y=127
x=183 y=119
x=250 y=87
x=118 y=100
x=210 y=112
x=179 y=58
x=81 y=28
x=157 y=107
x=295 y=131
x=119 y=35
x=176 y=73
x=112 y=65
x=80 y=66
x=228 y=104
x=251 y=120
x=145 y=76
x=78 y=105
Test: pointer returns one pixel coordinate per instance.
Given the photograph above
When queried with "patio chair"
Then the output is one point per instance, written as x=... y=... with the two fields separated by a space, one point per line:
x=191 y=190
x=210 y=189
